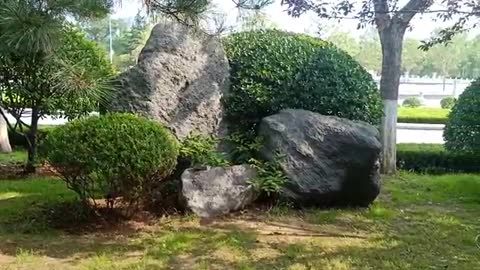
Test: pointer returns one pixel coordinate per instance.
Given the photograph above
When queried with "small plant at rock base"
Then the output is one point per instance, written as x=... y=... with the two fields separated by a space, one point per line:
x=448 y=102
x=412 y=102
x=200 y=150
x=270 y=177
x=246 y=146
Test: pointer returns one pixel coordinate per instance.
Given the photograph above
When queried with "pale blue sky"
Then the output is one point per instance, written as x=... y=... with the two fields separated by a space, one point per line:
x=307 y=23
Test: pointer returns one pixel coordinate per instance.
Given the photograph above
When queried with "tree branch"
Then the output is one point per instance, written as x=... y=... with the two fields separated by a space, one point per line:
x=406 y=14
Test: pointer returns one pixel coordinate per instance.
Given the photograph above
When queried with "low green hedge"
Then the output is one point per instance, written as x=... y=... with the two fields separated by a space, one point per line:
x=424 y=115
x=422 y=120
x=433 y=158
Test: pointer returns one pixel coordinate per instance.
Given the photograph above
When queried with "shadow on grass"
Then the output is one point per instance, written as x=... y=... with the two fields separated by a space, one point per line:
x=421 y=232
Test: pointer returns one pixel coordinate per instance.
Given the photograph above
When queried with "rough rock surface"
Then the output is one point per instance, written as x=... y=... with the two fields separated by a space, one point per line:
x=328 y=160
x=179 y=80
x=215 y=191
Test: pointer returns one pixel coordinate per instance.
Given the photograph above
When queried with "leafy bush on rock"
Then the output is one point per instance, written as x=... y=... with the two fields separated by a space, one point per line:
x=273 y=70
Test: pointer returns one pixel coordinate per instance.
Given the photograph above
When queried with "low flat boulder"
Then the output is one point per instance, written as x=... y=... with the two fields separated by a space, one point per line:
x=214 y=191
x=329 y=161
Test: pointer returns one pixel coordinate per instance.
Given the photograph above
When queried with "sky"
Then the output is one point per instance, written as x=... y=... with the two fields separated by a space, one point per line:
x=422 y=28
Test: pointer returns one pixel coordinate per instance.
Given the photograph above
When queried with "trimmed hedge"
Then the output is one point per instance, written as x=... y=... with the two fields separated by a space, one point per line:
x=273 y=70
x=421 y=120
x=433 y=158
x=116 y=155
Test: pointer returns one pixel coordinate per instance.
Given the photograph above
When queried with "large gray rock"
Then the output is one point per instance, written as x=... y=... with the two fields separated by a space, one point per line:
x=328 y=160
x=179 y=80
x=212 y=192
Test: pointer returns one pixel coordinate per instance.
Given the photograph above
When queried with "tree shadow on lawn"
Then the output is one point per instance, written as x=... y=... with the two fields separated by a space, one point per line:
x=415 y=241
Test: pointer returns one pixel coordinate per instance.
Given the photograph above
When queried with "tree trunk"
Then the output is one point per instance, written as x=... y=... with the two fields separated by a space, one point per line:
x=32 y=142
x=4 y=142
x=391 y=39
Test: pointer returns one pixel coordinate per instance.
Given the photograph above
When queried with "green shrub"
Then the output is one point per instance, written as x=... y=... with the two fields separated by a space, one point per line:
x=462 y=131
x=273 y=70
x=246 y=146
x=113 y=156
x=448 y=102
x=412 y=102
x=432 y=158
x=200 y=150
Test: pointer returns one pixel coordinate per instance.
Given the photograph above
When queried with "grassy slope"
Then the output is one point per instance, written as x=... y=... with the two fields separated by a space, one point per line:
x=419 y=222
x=422 y=115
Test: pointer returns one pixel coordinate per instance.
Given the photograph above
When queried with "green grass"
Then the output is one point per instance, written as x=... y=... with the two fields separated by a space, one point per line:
x=420 y=147
x=17 y=156
x=419 y=222
x=22 y=200
x=422 y=115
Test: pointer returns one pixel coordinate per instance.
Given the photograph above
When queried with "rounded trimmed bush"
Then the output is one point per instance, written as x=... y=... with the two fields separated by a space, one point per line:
x=272 y=70
x=462 y=131
x=412 y=102
x=115 y=156
x=448 y=102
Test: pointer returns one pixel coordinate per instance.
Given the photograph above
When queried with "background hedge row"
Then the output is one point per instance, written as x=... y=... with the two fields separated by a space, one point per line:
x=433 y=158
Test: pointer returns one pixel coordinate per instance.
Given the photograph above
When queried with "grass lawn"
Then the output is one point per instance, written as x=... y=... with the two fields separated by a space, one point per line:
x=422 y=115
x=18 y=156
x=419 y=222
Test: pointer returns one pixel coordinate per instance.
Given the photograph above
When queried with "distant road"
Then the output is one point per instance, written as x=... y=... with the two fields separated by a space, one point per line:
x=405 y=132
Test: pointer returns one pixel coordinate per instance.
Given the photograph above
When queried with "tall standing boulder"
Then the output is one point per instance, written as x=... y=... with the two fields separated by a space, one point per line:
x=179 y=80
x=329 y=161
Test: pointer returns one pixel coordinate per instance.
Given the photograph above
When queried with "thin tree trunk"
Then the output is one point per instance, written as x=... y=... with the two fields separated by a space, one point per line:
x=4 y=141
x=32 y=142
x=392 y=42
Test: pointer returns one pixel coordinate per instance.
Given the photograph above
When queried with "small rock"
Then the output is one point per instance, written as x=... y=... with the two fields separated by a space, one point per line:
x=216 y=191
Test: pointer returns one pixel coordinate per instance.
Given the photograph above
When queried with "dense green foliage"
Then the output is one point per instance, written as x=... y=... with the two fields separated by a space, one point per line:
x=116 y=155
x=412 y=102
x=69 y=83
x=425 y=115
x=462 y=131
x=272 y=70
x=448 y=102
x=433 y=158
x=270 y=177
